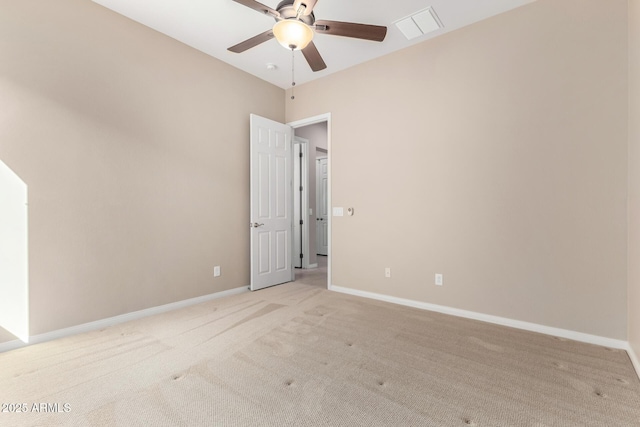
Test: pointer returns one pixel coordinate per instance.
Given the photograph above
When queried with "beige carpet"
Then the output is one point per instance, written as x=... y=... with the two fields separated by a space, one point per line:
x=299 y=355
x=314 y=276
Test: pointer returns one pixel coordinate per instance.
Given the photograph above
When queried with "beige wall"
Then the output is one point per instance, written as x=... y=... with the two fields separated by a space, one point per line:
x=501 y=159
x=634 y=175
x=135 y=150
x=316 y=134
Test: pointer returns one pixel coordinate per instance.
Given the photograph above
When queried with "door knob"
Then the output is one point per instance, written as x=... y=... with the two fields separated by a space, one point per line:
x=256 y=225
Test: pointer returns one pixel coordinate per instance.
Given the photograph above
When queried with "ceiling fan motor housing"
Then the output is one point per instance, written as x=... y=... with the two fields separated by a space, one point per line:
x=286 y=10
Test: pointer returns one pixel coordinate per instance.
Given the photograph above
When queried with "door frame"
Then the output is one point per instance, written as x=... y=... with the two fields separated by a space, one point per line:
x=304 y=214
x=326 y=117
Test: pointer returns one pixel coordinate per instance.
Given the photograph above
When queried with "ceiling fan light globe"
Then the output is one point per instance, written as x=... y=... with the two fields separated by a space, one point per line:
x=292 y=34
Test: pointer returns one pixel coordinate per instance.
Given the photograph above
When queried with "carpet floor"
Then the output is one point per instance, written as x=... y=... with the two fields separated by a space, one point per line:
x=299 y=355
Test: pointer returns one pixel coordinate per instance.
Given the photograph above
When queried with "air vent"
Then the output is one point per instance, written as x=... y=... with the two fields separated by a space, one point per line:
x=419 y=24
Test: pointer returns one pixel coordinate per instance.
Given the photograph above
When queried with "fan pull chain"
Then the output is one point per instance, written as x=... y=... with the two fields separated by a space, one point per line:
x=293 y=74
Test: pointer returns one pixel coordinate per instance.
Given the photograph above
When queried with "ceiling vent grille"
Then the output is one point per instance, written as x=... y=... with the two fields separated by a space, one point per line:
x=419 y=24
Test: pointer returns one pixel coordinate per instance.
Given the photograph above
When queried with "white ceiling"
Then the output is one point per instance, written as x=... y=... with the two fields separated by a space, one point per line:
x=212 y=26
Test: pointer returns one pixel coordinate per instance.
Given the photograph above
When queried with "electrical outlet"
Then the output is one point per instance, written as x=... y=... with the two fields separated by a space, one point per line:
x=387 y=272
x=216 y=271
x=439 y=279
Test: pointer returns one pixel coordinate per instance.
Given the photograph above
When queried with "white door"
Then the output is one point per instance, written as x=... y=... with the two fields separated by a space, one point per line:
x=271 y=203
x=322 y=207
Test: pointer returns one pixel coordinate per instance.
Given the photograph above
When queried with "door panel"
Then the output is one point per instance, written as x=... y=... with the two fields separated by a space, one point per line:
x=283 y=192
x=271 y=202
x=264 y=241
x=264 y=185
x=282 y=259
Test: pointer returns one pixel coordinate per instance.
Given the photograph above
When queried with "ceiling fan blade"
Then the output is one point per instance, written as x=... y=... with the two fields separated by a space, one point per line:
x=266 y=10
x=374 y=33
x=310 y=4
x=252 y=42
x=313 y=57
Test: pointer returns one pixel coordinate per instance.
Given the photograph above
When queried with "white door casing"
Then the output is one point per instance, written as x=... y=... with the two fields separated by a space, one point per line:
x=300 y=203
x=322 y=207
x=297 y=210
x=271 y=202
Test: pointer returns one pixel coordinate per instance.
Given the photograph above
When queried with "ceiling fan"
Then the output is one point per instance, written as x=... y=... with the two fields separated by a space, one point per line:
x=294 y=27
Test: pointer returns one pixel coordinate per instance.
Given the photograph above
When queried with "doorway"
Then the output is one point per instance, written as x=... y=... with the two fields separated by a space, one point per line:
x=317 y=269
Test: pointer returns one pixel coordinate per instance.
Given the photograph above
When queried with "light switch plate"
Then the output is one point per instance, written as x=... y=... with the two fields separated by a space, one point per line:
x=439 y=279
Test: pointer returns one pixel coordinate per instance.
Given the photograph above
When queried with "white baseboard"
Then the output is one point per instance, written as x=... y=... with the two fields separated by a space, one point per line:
x=534 y=327
x=99 y=324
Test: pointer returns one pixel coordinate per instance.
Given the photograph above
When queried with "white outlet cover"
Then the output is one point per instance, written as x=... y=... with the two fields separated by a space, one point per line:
x=338 y=211
x=216 y=271
x=439 y=279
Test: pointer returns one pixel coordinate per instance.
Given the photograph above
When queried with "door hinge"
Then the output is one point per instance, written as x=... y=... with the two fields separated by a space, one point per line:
x=301 y=188
x=301 y=221
x=300 y=155
x=301 y=256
